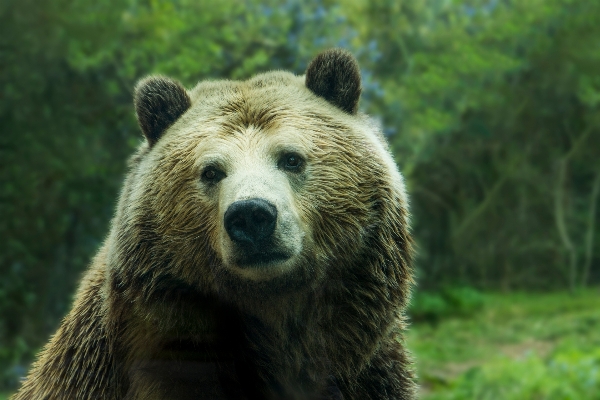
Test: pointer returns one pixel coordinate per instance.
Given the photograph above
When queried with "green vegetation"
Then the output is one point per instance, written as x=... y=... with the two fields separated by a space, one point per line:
x=517 y=346
x=446 y=302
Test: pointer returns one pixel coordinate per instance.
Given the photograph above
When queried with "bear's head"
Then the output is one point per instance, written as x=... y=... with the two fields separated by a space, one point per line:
x=260 y=189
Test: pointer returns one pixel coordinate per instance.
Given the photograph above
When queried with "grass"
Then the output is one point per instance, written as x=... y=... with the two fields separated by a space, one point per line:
x=517 y=346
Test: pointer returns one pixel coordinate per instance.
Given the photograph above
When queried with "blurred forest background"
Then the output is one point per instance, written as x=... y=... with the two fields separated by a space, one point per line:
x=492 y=109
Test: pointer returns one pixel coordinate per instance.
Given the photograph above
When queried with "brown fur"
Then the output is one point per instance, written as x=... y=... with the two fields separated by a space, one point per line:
x=159 y=101
x=335 y=76
x=162 y=314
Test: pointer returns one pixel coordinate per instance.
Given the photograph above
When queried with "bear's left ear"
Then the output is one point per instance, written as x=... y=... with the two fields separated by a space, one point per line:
x=159 y=101
x=335 y=76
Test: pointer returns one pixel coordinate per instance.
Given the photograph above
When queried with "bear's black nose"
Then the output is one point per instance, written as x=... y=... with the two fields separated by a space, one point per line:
x=250 y=222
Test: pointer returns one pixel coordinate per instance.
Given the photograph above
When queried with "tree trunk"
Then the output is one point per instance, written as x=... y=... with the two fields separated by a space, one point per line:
x=561 y=224
x=589 y=242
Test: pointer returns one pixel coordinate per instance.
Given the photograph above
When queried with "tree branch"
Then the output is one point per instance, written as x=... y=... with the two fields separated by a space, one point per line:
x=559 y=212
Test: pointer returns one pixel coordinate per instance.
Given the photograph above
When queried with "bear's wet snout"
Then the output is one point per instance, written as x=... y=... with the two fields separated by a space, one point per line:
x=250 y=223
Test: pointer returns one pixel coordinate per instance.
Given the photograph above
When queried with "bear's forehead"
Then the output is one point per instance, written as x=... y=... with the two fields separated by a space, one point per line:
x=264 y=101
x=223 y=88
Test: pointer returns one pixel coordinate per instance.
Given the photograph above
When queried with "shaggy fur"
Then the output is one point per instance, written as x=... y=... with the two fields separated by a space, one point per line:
x=335 y=76
x=165 y=310
x=159 y=101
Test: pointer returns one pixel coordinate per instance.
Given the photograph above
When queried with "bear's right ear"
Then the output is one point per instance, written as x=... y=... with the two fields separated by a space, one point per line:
x=159 y=101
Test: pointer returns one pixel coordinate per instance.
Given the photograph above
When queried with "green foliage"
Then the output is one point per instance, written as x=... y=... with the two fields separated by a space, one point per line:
x=450 y=301
x=571 y=374
x=517 y=346
x=567 y=374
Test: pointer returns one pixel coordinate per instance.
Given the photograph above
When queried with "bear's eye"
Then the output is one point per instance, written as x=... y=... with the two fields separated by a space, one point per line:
x=291 y=162
x=212 y=175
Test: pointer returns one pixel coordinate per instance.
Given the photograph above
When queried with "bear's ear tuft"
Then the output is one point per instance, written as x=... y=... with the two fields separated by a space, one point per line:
x=159 y=101
x=335 y=76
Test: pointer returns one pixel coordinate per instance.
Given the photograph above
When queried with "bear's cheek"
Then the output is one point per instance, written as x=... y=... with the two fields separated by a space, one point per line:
x=203 y=220
x=337 y=208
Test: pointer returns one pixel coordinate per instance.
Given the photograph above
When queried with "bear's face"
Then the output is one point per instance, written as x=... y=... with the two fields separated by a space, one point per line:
x=252 y=181
x=261 y=186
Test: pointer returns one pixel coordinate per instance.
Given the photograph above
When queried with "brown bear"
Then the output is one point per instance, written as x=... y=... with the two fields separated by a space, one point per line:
x=260 y=250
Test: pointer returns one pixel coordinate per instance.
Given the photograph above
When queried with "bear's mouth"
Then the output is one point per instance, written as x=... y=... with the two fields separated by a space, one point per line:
x=261 y=259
